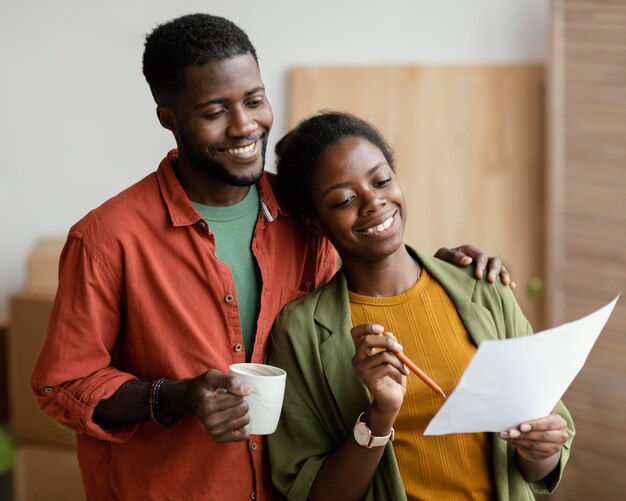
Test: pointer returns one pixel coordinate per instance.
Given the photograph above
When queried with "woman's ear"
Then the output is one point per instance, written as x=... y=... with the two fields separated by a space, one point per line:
x=312 y=225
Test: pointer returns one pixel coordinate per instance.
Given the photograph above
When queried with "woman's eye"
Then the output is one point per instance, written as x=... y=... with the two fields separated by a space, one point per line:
x=344 y=203
x=381 y=184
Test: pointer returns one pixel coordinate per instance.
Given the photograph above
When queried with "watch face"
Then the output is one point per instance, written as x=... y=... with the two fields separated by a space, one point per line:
x=361 y=434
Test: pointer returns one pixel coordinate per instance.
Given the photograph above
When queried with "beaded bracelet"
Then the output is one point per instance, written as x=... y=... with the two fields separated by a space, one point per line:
x=155 y=414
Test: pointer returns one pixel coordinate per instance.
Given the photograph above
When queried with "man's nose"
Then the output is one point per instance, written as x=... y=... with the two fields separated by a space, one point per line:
x=241 y=124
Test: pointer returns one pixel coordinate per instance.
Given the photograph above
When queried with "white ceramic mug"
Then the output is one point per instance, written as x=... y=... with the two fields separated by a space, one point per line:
x=266 y=400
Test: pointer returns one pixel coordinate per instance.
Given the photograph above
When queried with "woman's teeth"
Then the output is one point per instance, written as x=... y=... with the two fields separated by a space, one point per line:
x=380 y=227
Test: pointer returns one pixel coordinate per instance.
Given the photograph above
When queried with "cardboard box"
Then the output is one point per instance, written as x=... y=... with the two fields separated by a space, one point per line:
x=49 y=473
x=42 y=267
x=29 y=313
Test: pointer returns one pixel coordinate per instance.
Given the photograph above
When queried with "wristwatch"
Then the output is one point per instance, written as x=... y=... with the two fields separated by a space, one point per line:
x=363 y=435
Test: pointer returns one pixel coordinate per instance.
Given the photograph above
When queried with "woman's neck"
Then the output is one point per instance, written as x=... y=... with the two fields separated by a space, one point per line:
x=390 y=276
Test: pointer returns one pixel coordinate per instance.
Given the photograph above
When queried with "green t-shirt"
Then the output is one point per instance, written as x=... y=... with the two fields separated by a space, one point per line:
x=233 y=228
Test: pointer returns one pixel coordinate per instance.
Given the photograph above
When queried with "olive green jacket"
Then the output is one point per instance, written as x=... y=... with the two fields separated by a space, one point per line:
x=324 y=396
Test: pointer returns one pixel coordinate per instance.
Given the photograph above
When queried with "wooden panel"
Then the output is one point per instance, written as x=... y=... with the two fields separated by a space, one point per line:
x=470 y=152
x=587 y=228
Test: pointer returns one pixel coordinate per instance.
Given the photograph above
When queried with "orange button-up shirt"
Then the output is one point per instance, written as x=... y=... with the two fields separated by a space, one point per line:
x=142 y=295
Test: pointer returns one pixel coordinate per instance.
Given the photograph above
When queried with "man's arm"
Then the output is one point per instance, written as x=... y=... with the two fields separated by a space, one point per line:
x=216 y=398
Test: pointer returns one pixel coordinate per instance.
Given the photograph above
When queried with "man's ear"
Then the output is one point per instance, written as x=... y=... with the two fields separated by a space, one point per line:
x=312 y=225
x=166 y=117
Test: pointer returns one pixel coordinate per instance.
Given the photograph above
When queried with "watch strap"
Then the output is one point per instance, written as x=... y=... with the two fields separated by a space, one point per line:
x=374 y=441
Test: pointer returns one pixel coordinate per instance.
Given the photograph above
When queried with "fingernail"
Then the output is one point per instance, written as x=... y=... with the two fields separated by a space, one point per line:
x=377 y=328
x=525 y=427
x=397 y=346
x=504 y=434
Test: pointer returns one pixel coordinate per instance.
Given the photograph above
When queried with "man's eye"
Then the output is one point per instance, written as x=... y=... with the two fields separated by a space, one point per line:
x=214 y=115
x=381 y=184
x=255 y=103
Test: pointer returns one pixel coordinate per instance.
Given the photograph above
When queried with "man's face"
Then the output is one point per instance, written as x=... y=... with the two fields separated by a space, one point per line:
x=221 y=120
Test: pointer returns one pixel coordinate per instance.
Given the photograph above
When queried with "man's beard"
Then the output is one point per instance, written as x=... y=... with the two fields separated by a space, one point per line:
x=218 y=171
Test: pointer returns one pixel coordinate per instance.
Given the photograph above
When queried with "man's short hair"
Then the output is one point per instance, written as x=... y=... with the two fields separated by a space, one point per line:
x=193 y=39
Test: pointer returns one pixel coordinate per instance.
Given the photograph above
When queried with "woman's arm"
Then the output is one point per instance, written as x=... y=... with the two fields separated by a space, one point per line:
x=348 y=471
x=539 y=444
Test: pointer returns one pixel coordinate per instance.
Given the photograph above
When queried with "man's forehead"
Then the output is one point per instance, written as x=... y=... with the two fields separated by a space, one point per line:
x=235 y=75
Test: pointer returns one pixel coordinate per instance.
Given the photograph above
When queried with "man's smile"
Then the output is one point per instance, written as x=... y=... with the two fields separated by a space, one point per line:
x=240 y=150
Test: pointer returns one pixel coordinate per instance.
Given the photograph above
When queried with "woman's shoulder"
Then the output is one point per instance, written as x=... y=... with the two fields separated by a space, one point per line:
x=306 y=305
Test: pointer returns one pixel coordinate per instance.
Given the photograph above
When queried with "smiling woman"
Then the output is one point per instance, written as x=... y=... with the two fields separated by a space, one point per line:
x=359 y=205
x=347 y=392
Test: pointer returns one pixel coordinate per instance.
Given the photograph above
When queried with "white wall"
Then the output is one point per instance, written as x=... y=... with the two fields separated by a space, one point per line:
x=77 y=122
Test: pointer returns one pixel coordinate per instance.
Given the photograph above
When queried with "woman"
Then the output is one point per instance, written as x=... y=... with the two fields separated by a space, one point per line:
x=347 y=393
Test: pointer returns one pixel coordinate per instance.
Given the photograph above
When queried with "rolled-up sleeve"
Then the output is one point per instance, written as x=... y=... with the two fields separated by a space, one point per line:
x=73 y=372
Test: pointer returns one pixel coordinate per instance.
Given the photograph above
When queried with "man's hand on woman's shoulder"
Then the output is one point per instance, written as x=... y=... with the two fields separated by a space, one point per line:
x=464 y=255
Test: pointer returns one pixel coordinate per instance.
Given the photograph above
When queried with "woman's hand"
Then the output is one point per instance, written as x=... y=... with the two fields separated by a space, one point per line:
x=377 y=366
x=539 y=444
x=466 y=254
x=347 y=472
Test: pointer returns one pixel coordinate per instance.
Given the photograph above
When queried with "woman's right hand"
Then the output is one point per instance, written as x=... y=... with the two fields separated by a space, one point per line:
x=377 y=366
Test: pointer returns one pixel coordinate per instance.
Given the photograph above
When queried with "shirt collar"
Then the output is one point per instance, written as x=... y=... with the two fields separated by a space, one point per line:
x=183 y=213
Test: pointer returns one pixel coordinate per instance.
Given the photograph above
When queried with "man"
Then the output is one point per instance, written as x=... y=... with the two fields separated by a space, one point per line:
x=166 y=285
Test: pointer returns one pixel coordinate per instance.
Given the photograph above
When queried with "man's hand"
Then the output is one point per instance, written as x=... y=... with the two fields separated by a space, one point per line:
x=464 y=255
x=217 y=400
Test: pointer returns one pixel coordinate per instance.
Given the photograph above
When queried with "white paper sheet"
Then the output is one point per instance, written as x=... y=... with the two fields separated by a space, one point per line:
x=515 y=380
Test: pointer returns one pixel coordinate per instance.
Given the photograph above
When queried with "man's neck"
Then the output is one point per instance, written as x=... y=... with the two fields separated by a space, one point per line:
x=206 y=190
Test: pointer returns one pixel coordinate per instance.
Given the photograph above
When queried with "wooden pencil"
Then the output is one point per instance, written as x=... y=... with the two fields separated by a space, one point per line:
x=419 y=373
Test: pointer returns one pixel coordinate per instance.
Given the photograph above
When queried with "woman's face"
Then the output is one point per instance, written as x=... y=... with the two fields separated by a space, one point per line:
x=358 y=202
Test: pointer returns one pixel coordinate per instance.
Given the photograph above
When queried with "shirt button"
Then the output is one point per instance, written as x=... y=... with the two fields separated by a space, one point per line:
x=253 y=446
x=202 y=224
x=48 y=389
x=228 y=298
x=253 y=495
x=238 y=347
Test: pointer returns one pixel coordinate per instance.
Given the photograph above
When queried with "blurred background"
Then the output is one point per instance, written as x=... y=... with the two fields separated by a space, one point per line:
x=508 y=118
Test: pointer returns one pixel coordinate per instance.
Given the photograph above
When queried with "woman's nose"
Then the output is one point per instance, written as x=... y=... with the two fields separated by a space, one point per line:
x=371 y=202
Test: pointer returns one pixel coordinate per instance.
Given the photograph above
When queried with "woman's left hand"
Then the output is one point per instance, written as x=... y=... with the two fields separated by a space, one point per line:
x=465 y=255
x=538 y=439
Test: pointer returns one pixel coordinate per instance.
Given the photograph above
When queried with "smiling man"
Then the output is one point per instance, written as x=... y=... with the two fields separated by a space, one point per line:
x=167 y=284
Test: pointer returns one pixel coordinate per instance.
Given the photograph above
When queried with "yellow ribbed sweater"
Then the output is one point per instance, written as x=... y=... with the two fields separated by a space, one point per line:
x=425 y=321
